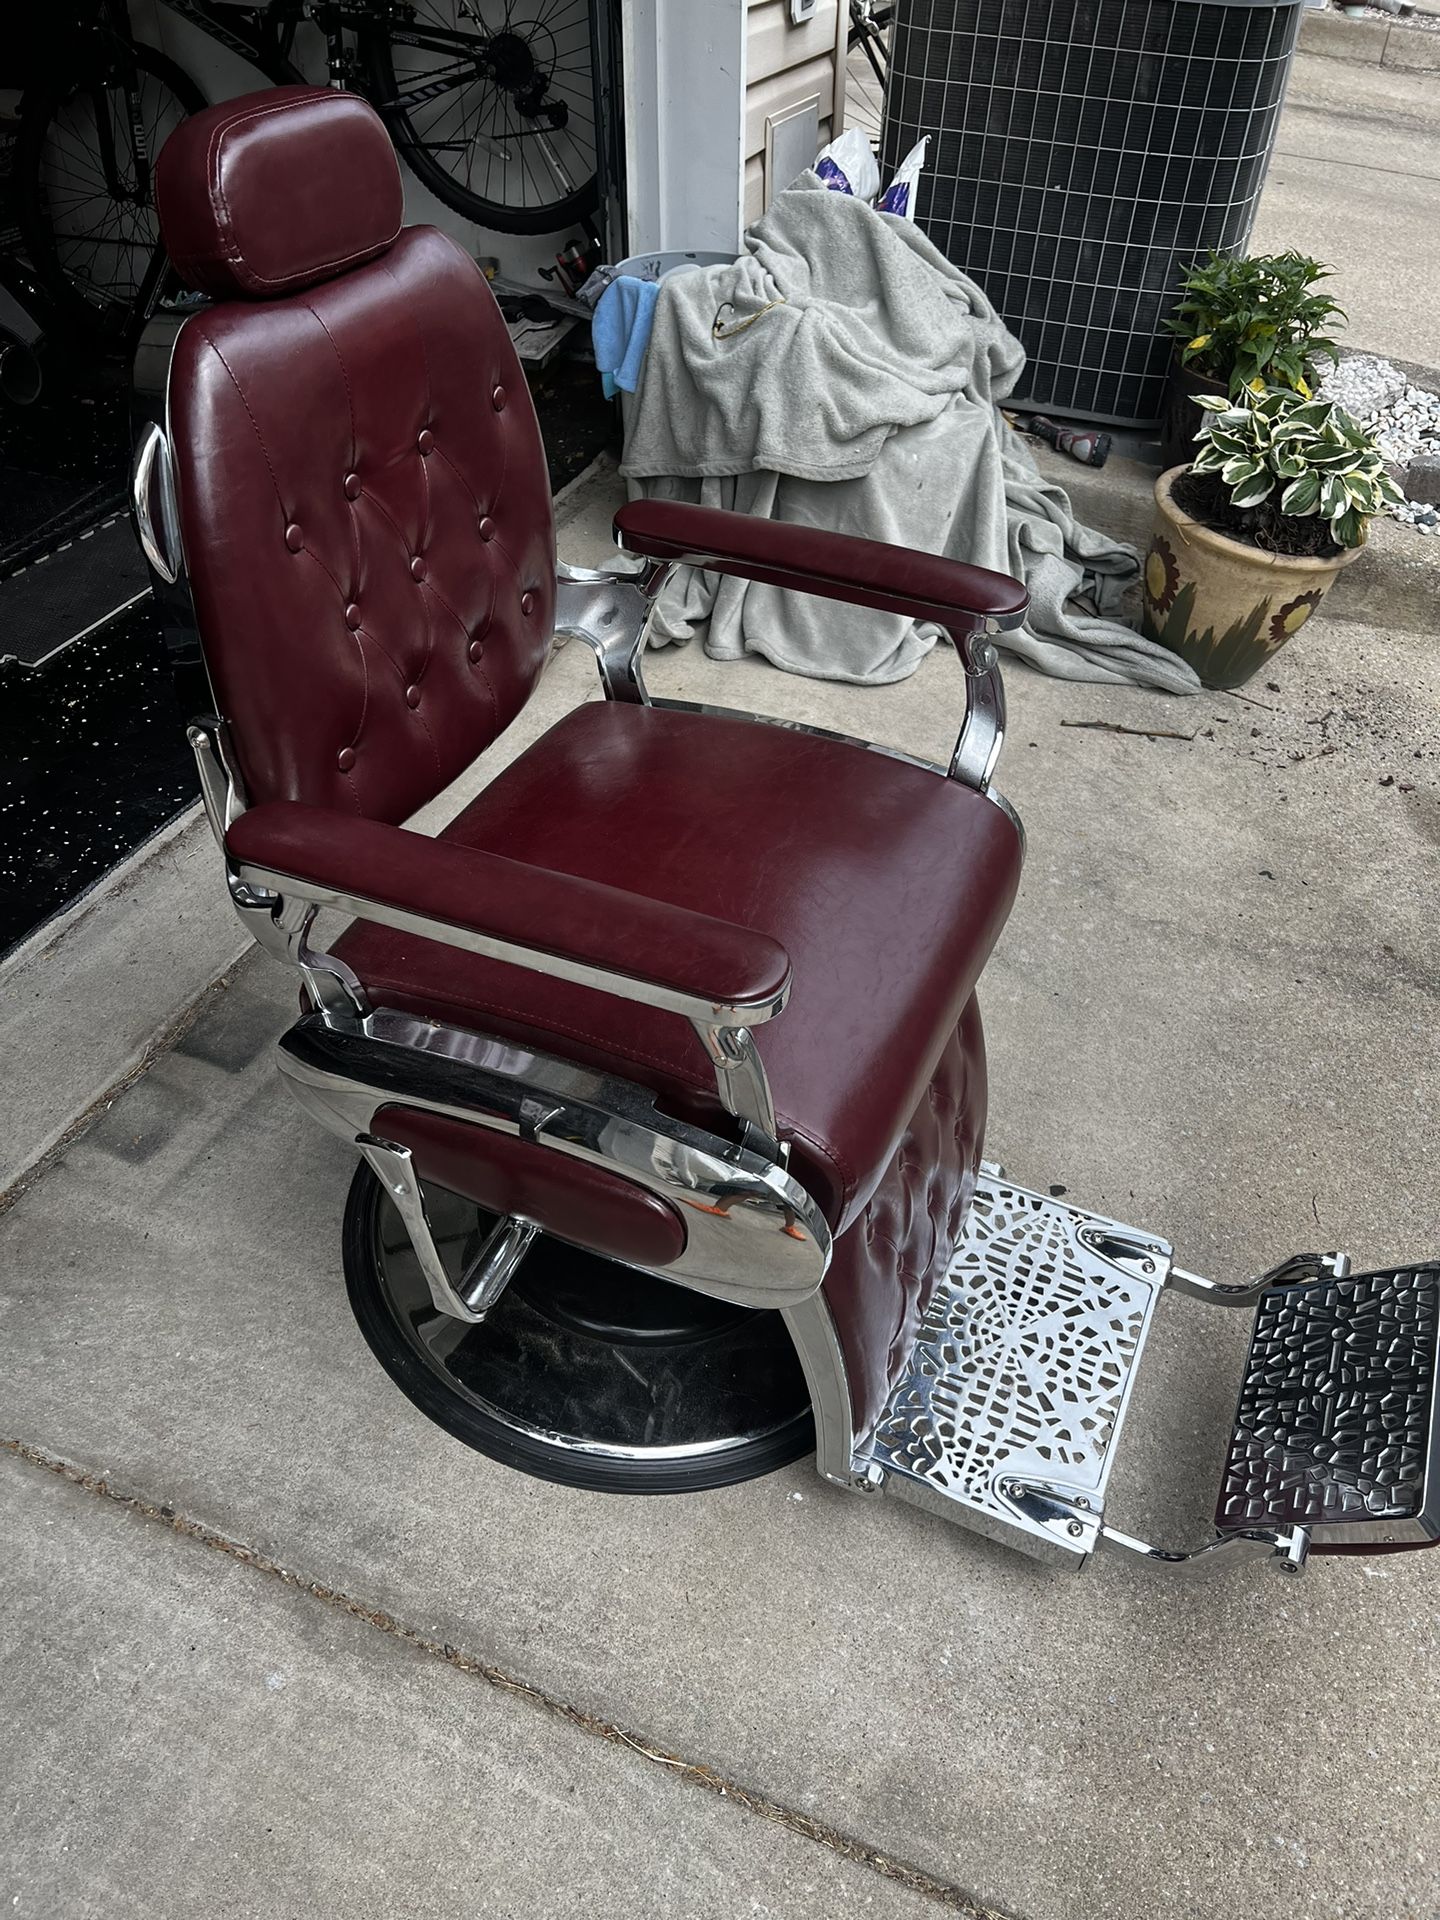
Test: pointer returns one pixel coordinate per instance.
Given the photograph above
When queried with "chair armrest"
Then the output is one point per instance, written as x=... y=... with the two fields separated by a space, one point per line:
x=837 y=566
x=716 y=974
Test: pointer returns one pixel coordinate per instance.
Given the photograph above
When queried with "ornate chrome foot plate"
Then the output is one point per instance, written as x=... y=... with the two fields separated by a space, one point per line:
x=1008 y=1415
x=1018 y=1383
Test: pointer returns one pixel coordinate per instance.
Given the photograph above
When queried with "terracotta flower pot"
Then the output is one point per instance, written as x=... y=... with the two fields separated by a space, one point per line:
x=1222 y=605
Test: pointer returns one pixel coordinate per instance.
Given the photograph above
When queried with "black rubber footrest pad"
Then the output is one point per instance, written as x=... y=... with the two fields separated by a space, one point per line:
x=1336 y=1409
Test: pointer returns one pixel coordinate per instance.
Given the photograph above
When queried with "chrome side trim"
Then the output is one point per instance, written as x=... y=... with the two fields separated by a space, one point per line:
x=152 y=497
x=753 y=1234
x=623 y=986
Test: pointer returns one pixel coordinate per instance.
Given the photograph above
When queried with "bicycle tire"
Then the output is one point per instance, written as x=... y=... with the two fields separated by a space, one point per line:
x=88 y=319
x=377 y=57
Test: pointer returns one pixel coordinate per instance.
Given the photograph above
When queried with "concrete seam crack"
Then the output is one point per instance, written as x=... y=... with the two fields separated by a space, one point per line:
x=693 y=1773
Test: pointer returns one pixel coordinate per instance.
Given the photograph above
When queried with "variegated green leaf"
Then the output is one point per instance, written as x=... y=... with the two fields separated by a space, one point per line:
x=1251 y=492
x=1302 y=496
x=1348 y=529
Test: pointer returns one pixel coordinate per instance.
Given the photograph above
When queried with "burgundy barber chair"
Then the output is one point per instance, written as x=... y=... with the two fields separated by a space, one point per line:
x=663 y=1060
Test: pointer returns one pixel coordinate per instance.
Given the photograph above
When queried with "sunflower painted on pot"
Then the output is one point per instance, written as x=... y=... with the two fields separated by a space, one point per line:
x=1162 y=575
x=1293 y=615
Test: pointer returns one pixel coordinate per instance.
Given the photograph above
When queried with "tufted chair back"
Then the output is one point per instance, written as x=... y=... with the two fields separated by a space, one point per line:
x=364 y=501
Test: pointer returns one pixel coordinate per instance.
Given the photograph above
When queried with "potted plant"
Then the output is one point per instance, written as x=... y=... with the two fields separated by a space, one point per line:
x=1250 y=535
x=1244 y=324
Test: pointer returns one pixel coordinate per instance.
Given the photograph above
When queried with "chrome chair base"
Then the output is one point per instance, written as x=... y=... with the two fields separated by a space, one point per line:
x=584 y=1372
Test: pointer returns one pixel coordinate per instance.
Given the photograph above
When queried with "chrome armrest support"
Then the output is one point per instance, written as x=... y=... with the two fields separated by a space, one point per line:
x=278 y=914
x=982 y=731
x=740 y=1078
x=609 y=609
x=277 y=922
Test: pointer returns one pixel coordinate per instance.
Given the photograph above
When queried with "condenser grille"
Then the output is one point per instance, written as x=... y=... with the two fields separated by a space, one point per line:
x=1081 y=155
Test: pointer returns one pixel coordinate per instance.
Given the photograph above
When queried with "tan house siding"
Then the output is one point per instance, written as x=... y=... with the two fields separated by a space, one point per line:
x=784 y=66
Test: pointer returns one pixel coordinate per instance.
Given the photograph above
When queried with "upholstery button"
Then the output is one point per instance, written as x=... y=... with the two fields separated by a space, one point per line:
x=475 y=649
x=412 y=696
x=352 y=486
x=418 y=568
x=487 y=528
x=426 y=440
x=527 y=603
x=497 y=399
x=345 y=759
x=294 y=538
x=352 y=616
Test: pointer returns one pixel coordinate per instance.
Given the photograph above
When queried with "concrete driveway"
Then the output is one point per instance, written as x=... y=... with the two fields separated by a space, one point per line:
x=1355 y=181
x=279 y=1646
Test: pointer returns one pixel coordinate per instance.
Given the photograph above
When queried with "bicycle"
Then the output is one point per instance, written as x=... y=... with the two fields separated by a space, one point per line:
x=870 y=24
x=495 y=117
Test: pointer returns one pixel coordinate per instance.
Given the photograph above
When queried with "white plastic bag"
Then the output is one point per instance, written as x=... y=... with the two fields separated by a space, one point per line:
x=899 y=196
x=847 y=165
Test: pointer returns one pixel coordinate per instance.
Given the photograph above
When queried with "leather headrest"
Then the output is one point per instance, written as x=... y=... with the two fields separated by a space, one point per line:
x=269 y=193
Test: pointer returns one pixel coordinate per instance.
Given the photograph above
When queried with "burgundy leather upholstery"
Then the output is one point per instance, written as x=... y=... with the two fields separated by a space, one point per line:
x=885 y=884
x=836 y=566
x=272 y=192
x=566 y=1197
x=576 y=919
x=366 y=517
x=885 y=1270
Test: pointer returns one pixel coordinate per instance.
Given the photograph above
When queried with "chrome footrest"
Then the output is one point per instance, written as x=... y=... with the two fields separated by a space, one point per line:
x=1008 y=1414
x=1336 y=1425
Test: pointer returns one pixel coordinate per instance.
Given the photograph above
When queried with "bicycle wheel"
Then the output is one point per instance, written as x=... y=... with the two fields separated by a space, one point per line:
x=490 y=103
x=867 y=68
x=86 y=208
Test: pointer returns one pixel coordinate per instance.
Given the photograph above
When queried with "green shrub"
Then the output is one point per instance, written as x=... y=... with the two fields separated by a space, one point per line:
x=1255 y=323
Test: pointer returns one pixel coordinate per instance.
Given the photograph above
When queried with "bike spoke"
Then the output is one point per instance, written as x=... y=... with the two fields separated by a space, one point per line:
x=529 y=66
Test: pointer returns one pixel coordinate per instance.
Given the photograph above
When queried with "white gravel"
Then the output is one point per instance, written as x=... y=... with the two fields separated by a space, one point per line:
x=1404 y=418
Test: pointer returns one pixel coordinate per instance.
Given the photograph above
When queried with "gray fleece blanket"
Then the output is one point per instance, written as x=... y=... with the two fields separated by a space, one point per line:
x=861 y=396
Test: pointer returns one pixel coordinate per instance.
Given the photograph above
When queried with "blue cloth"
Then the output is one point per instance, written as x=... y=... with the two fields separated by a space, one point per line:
x=621 y=331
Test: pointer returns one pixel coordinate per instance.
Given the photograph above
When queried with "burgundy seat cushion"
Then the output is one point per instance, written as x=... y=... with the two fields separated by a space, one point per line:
x=887 y=885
